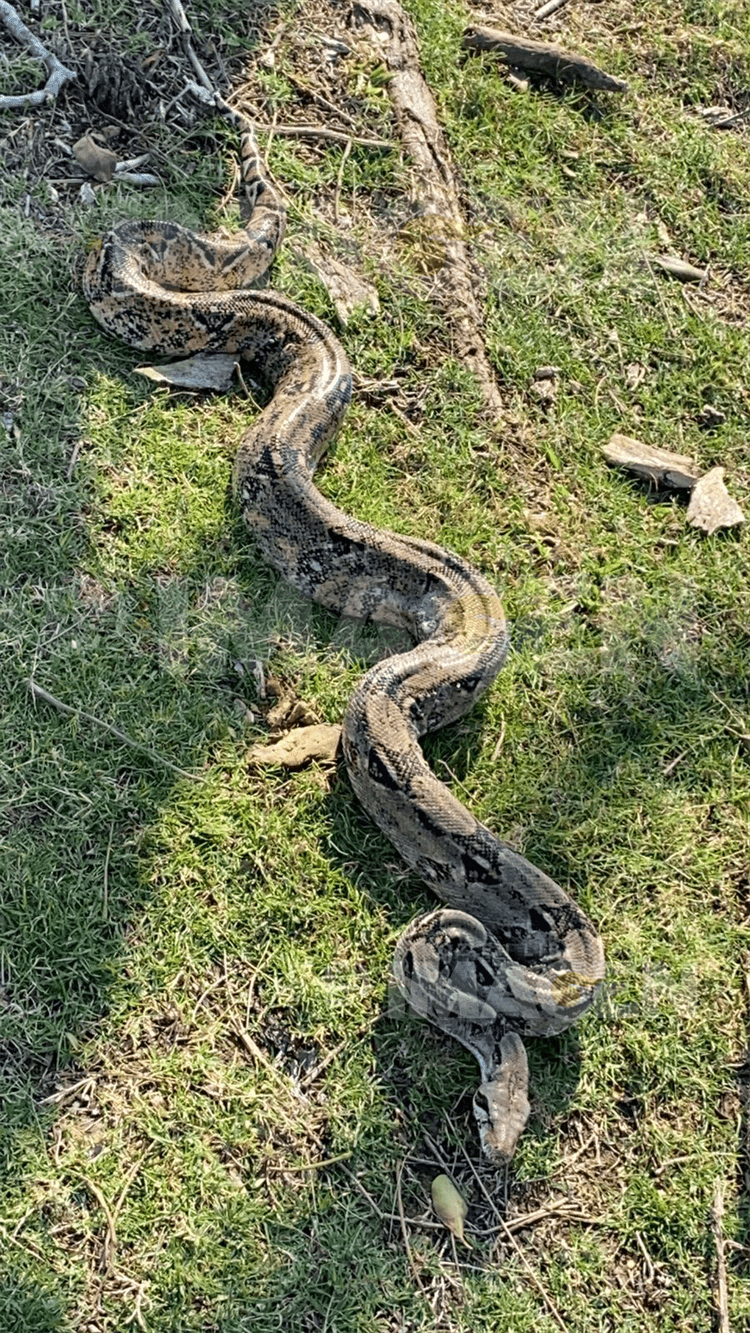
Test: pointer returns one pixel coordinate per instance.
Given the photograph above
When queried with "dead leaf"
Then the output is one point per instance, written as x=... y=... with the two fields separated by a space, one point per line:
x=97 y=161
x=711 y=506
x=289 y=712
x=195 y=372
x=678 y=268
x=656 y=465
x=299 y=747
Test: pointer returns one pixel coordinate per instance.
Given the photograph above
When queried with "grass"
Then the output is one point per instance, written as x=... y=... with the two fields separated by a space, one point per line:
x=148 y=922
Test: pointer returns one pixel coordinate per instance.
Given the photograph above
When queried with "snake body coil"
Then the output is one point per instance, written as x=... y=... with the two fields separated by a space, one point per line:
x=511 y=953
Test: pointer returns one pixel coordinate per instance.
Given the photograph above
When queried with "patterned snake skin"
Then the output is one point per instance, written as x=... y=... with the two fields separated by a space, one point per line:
x=511 y=953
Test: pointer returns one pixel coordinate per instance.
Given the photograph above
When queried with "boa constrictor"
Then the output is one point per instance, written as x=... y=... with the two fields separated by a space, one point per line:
x=511 y=953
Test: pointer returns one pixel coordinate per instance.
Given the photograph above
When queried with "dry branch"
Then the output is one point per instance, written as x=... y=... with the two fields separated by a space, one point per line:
x=434 y=192
x=59 y=74
x=543 y=58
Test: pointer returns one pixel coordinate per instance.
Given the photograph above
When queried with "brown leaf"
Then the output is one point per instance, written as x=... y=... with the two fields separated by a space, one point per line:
x=711 y=506
x=195 y=372
x=299 y=747
x=679 y=269
x=97 y=161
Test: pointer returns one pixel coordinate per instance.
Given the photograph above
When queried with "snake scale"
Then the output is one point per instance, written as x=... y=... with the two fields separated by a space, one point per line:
x=510 y=954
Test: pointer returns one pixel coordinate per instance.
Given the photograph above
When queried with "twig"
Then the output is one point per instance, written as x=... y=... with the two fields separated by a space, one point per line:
x=317 y=1070
x=59 y=74
x=312 y=1166
x=110 y=1237
x=63 y=1094
x=105 y=886
x=393 y=1217
x=48 y=698
x=552 y=1308
x=339 y=180
x=721 y=1294
x=434 y=192
x=254 y=1050
x=404 y=1232
x=132 y=1173
x=323 y=132
x=551 y=7
x=185 y=31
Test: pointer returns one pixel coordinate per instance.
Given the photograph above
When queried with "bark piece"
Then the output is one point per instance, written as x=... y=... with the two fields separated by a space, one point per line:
x=711 y=506
x=299 y=747
x=655 y=465
x=434 y=191
x=542 y=57
x=195 y=372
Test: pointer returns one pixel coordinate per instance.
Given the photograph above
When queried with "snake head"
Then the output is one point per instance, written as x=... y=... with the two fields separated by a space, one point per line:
x=500 y=1126
x=501 y=1104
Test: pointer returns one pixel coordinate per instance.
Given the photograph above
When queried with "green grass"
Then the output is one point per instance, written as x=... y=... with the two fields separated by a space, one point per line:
x=146 y=919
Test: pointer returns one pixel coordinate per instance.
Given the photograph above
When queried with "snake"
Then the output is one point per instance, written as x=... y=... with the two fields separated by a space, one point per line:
x=509 y=954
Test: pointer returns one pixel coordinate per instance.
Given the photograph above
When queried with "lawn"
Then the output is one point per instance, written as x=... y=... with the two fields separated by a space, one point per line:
x=214 y=1108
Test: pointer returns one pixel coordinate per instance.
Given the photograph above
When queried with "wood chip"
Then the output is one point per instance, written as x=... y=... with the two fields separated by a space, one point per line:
x=299 y=747
x=655 y=465
x=99 y=162
x=711 y=506
x=678 y=268
x=195 y=372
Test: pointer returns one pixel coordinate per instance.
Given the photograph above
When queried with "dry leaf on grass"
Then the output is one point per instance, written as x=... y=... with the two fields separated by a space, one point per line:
x=711 y=506
x=299 y=747
x=195 y=372
x=99 y=162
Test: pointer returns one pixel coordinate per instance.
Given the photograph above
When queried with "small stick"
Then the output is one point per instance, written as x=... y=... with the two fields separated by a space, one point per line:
x=312 y=1166
x=339 y=180
x=110 y=1237
x=64 y=1094
x=404 y=1232
x=48 y=698
x=322 y=132
x=132 y=1173
x=59 y=74
x=722 y=1294
x=105 y=889
x=185 y=31
x=253 y=1049
x=551 y=7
